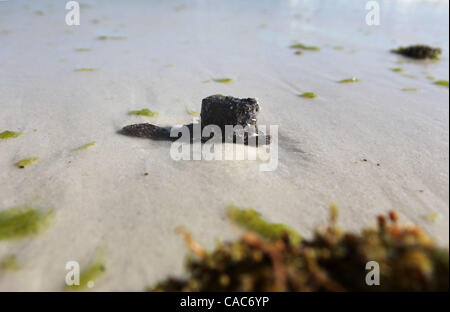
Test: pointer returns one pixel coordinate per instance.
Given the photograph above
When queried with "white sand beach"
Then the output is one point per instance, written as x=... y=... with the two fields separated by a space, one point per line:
x=164 y=55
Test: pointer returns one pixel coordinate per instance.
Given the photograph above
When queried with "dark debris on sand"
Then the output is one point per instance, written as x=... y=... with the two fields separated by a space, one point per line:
x=419 y=52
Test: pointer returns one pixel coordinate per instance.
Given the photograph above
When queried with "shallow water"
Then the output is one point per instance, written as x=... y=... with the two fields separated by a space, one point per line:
x=103 y=200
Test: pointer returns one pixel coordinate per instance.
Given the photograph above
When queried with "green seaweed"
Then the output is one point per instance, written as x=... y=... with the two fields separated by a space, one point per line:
x=39 y=13
x=27 y=162
x=432 y=78
x=410 y=89
x=308 y=95
x=87 y=69
x=5 y=135
x=192 y=112
x=251 y=220
x=83 y=50
x=9 y=263
x=89 y=275
x=20 y=222
x=143 y=112
x=350 y=80
x=85 y=146
x=304 y=47
x=397 y=69
x=443 y=83
x=331 y=260
x=111 y=38
x=223 y=80
x=433 y=217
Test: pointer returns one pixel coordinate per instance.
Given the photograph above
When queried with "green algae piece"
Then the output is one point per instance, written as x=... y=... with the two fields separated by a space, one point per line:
x=89 y=275
x=304 y=47
x=87 y=69
x=251 y=220
x=85 y=146
x=83 y=50
x=308 y=95
x=19 y=222
x=223 y=80
x=409 y=76
x=433 y=217
x=9 y=263
x=443 y=83
x=410 y=89
x=111 y=38
x=27 y=162
x=193 y=112
x=350 y=80
x=143 y=112
x=432 y=78
x=397 y=69
x=39 y=13
x=5 y=135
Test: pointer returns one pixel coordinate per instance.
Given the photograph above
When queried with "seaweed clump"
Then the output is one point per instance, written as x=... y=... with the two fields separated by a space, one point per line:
x=143 y=112
x=419 y=51
x=350 y=80
x=9 y=263
x=443 y=83
x=5 y=135
x=304 y=47
x=27 y=162
x=333 y=260
x=19 y=222
x=308 y=95
x=397 y=69
x=223 y=80
x=193 y=112
x=85 y=146
x=252 y=221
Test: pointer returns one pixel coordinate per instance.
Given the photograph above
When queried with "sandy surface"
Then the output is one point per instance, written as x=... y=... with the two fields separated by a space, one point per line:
x=100 y=196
